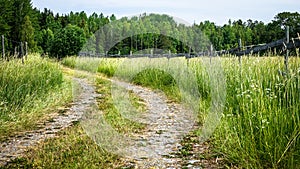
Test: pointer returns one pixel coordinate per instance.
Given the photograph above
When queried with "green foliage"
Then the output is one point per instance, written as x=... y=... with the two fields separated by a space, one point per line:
x=69 y=62
x=107 y=67
x=251 y=32
x=159 y=33
x=21 y=9
x=261 y=118
x=27 y=33
x=291 y=19
x=22 y=83
x=87 y=64
x=5 y=16
x=111 y=113
x=71 y=149
x=260 y=127
x=18 y=21
x=28 y=91
x=157 y=79
x=47 y=40
x=67 y=42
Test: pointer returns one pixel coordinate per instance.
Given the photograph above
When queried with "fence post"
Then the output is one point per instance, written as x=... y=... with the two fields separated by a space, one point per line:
x=26 y=50
x=16 y=52
x=210 y=52
x=187 y=57
x=286 y=58
x=22 y=52
x=240 y=49
x=3 y=47
x=297 y=50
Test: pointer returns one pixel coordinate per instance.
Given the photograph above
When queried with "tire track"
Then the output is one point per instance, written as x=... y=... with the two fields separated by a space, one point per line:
x=16 y=146
x=167 y=123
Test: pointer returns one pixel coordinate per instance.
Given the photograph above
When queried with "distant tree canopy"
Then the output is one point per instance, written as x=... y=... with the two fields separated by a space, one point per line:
x=62 y=35
x=68 y=41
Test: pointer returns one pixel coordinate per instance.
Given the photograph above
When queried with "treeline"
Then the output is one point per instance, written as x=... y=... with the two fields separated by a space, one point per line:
x=251 y=32
x=61 y=35
x=43 y=30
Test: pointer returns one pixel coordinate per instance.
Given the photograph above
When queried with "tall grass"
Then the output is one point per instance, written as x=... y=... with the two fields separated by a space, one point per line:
x=24 y=88
x=76 y=146
x=260 y=125
x=103 y=65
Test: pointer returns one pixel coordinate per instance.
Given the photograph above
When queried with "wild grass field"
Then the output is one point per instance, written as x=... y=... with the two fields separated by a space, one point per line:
x=260 y=124
x=29 y=92
x=259 y=128
x=72 y=147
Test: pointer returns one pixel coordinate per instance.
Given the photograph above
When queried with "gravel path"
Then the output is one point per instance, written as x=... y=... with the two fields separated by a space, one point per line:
x=16 y=146
x=167 y=123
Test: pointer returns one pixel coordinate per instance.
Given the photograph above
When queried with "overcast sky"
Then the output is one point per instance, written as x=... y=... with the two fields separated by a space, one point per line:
x=218 y=11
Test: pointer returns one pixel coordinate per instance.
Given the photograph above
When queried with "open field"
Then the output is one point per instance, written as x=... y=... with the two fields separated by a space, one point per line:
x=260 y=122
x=259 y=127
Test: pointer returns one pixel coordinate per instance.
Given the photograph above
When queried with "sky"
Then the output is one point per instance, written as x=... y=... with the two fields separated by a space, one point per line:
x=191 y=11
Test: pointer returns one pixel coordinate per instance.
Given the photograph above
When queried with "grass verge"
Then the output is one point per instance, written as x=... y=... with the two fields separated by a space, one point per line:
x=29 y=93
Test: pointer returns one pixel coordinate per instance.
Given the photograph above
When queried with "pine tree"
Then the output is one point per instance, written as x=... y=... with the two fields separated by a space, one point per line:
x=21 y=8
x=5 y=16
x=27 y=33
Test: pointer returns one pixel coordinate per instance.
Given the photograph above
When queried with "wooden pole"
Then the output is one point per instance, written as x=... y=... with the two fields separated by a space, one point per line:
x=286 y=58
x=22 y=52
x=211 y=52
x=240 y=49
x=240 y=44
x=16 y=52
x=3 y=47
x=26 y=50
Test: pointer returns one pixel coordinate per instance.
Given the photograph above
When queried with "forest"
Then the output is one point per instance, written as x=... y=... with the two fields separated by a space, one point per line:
x=61 y=35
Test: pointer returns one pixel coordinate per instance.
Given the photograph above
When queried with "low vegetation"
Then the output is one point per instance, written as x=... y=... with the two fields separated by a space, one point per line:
x=111 y=114
x=260 y=122
x=260 y=126
x=73 y=148
x=29 y=92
